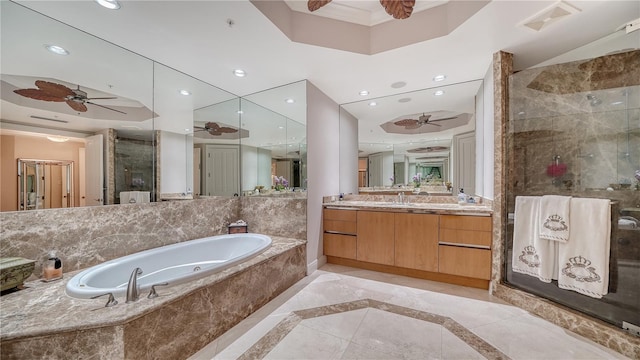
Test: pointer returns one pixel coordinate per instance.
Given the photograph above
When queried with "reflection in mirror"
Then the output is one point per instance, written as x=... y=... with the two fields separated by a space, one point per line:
x=216 y=148
x=193 y=115
x=44 y=184
x=92 y=107
x=274 y=150
x=410 y=140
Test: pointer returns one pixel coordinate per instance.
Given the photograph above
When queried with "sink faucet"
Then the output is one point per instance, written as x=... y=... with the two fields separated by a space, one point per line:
x=401 y=197
x=132 y=286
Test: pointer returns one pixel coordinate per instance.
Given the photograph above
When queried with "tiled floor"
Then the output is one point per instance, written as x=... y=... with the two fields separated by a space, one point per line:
x=345 y=313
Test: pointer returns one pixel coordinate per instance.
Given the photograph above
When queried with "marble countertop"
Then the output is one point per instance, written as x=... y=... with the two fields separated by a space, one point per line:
x=416 y=207
x=42 y=308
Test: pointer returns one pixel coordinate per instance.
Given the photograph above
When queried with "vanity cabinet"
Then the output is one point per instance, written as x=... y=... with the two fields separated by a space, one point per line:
x=465 y=246
x=375 y=238
x=339 y=233
x=416 y=241
x=449 y=248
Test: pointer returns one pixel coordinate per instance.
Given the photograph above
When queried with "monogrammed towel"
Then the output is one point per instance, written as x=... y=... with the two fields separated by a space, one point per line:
x=532 y=255
x=554 y=218
x=584 y=259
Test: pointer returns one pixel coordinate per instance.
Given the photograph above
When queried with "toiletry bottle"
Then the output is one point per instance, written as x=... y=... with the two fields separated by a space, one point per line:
x=462 y=197
x=52 y=268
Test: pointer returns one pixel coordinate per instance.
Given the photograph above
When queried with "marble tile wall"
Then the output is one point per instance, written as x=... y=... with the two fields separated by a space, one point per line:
x=86 y=236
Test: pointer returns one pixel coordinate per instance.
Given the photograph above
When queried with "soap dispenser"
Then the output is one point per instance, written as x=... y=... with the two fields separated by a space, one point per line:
x=52 y=268
x=462 y=197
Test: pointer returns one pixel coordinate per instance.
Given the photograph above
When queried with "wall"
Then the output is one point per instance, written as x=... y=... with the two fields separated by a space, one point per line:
x=348 y=153
x=176 y=163
x=323 y=123
x=29 y=147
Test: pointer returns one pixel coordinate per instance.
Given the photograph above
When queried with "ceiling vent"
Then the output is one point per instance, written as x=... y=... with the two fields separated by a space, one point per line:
x=550 y=15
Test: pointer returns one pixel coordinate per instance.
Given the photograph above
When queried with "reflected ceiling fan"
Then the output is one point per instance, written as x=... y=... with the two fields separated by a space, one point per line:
x=216 y=130
x=75 y=98
x=399 y=9
x=422 y=120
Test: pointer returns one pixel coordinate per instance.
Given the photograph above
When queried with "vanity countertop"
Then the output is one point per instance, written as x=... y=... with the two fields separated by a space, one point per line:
x=414 y=207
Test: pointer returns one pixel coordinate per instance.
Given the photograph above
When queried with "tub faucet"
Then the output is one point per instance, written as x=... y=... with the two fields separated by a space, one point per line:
x=132 y=286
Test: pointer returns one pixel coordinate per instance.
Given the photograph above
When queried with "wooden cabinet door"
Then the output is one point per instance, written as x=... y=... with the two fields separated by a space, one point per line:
x=375 y=242
x=416 y=241
x=462 y=261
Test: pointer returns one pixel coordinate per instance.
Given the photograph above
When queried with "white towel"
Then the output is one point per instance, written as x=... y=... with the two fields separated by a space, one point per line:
x=584 y=259
x=554 y=218
x=531 y=255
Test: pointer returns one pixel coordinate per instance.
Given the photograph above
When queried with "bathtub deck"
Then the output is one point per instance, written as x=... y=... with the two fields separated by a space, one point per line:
x=41 y=320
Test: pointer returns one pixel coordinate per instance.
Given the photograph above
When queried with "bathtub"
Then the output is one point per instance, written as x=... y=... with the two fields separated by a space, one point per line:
x=174 y=264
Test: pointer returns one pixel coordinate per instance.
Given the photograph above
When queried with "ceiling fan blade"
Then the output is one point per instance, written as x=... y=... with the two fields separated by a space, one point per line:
x=38 y=94
x=54 y=89
x=449 y=118
x=228 y=130
x=413 y=126
x=80 y=107
x=102 y=98
x=406 y=122
x=314 y=5
x=429 y=123
x=399 y=9
x=102 y=106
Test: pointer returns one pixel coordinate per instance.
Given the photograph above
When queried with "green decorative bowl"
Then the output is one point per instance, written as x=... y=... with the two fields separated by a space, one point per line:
x=14 y=271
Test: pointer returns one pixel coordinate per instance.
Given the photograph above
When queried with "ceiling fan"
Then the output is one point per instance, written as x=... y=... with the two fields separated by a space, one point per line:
x=422 y=120
x=76 y=98
x=216 y=130
x=399 y=9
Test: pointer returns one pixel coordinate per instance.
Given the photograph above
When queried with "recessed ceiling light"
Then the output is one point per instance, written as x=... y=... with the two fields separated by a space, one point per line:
x=187 y=130
x=185 y=92
x=521 y=113
x=57 y=49
x=289 y=101
x=373 y=103
x=59 y=139
x=239 y=73
x=280 y=127
x=439 y=77
x=404 y=100
x=438 y=93
x=109 y=4
x=364 y=93
x=399 y=84
x=240 y=112
x=616 y=102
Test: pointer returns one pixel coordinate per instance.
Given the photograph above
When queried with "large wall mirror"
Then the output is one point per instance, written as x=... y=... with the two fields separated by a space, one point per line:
x=274 y=151
x=422 y=139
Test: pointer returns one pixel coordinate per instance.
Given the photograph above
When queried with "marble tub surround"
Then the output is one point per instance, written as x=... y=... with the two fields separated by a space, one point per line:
x=86 y=236
x=199 y=311
x=280 y=216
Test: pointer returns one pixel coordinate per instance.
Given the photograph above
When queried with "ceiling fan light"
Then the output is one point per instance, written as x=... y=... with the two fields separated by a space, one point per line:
x=439 y=77
x=59 y=139
x=109 y=4
x=58 y=50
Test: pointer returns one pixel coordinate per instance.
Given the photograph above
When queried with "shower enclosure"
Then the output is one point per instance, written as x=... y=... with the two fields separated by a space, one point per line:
x=574 y=130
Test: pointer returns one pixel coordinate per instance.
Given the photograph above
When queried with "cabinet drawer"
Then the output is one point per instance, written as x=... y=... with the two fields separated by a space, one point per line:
x=466 y=237
x=343 y=227
x=459 y=222
x=343 y=246
x=342 y=215
x=455 y=260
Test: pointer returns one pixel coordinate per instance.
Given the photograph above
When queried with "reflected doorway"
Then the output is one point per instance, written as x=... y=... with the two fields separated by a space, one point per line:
x=45 y=184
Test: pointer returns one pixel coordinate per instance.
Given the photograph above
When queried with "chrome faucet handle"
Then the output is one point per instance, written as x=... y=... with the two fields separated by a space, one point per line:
x=110 y=302
x=153 y=293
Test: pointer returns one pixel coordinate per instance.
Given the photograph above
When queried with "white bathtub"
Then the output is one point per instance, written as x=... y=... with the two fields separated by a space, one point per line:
x=176 y=263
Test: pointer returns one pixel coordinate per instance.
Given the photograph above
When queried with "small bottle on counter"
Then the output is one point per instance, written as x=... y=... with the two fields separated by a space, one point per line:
x=52 y=268
x=462 y=197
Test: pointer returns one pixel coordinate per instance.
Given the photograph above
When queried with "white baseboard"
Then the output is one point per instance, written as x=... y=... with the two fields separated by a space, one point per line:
x=315 y=264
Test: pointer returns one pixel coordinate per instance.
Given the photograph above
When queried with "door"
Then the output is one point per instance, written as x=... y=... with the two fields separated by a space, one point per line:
x=375 y=237
x=94 y=170
x=375 y=170
x=464 y=163
x=222 y=166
